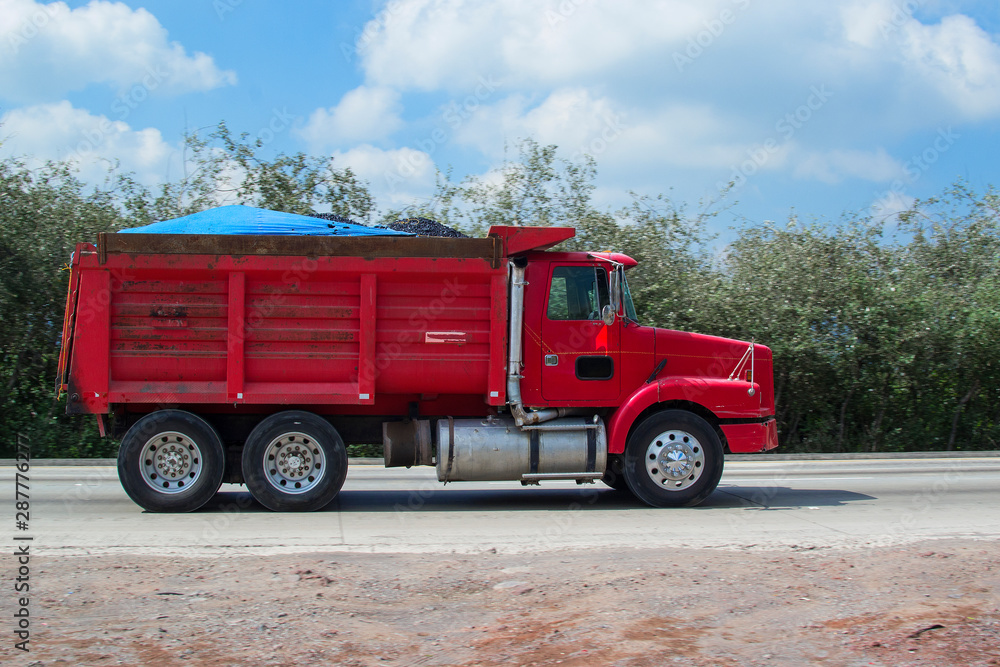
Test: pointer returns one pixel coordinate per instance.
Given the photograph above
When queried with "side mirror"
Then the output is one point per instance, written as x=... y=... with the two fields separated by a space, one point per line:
x=608 y=315
x=616 y=289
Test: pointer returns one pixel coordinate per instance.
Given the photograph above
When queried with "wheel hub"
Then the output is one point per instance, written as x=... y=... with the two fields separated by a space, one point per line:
x=675 y=460
x=170 y=462
x=294 y=463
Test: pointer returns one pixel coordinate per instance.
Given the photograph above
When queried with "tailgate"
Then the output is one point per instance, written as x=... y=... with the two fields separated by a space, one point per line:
x=69 y=319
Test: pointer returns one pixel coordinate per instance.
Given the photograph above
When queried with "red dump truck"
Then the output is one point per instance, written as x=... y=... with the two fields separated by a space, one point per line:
x=254 y=359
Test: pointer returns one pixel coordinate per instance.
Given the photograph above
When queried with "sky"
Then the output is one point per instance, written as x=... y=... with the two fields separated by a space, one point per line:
x=817 y=109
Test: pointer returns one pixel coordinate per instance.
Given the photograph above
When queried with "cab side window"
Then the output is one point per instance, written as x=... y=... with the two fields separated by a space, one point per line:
x=577 y=293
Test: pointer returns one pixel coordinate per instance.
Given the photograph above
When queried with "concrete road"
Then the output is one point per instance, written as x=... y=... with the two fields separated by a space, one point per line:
x=759 y=505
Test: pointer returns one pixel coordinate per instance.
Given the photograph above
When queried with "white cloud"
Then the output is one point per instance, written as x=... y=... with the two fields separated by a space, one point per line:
x=50 y=49
x=953 y=64
x=960 y=60
x=571 y=118
x=890 y=205
x=601 y=77
x=692 y=136
x=834 y=166
x=363 y=114
x=873 y=52
x=58 y=131
x=450 y=44
x=397 y=177
x=581 y=122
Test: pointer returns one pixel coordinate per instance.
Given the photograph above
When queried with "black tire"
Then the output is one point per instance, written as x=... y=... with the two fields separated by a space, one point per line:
x=294 y=461
x=614 y=473
x=673 y=458
x=171 y=461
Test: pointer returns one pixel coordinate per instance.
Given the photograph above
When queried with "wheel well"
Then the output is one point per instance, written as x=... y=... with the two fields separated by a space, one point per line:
x=695 y=408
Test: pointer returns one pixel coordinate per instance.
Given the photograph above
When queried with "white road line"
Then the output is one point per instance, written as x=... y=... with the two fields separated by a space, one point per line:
x=791 y=478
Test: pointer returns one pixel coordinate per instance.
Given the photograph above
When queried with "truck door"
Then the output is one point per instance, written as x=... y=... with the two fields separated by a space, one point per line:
x=580 y=353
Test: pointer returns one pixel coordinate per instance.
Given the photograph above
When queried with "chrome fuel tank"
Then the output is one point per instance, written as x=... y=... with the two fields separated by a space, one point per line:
x=496 y=449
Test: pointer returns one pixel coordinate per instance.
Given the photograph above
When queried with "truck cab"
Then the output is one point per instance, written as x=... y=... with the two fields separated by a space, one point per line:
x=585 y=349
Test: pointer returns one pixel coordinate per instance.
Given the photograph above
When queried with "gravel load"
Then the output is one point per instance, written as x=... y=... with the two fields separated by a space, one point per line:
x=333 y=217
x=418 y=226
x=425 y=227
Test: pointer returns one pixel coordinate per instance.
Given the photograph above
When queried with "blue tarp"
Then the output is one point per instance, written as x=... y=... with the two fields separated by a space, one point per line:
x=250 y=220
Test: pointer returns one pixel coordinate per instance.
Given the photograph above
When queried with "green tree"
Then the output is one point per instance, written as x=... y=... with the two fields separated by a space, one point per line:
x=953 y=271
x=45 y=212
x=885 y=337
x=221 y=168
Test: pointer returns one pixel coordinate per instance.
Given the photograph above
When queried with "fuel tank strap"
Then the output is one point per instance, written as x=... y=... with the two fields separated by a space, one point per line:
x=591 y=449
x=451 y=448
x=534 y=455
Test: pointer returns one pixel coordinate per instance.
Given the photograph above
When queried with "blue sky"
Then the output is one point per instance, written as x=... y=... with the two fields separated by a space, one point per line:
x=821 y=108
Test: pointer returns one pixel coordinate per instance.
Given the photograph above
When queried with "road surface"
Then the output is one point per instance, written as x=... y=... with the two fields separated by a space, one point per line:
x=759 y=505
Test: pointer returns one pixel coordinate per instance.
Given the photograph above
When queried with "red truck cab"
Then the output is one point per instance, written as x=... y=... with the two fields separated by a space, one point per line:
x=640 y=378
x=577 y=359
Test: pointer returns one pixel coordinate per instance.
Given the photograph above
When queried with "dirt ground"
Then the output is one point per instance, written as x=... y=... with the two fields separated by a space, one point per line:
x=935 y=603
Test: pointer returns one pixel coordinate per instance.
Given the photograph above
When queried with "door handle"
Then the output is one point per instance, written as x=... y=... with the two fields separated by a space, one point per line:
x=551 y=359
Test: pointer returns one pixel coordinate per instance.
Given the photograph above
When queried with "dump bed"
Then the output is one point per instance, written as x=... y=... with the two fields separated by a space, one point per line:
x=252 y=320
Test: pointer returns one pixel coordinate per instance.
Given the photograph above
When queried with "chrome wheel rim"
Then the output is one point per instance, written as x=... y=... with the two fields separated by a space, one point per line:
x=171 y=462
x=675 y=460
x=294 y=463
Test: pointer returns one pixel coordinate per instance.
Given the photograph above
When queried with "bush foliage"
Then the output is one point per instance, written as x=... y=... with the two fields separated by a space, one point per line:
x=886 y=333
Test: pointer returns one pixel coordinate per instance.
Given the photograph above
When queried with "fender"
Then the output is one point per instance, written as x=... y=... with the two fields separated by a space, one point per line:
x=723 y=398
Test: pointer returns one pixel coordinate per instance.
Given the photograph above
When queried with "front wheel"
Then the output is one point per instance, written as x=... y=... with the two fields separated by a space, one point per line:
x=294 y=461
x=673 y=459
x=171 y=461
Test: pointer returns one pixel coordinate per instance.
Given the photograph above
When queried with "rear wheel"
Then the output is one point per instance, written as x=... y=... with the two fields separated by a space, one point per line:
x=674 y=458
x=294 y=461
x=171 y=461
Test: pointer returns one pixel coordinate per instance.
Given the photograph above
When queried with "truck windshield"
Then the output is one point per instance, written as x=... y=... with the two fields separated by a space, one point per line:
x=627 y=301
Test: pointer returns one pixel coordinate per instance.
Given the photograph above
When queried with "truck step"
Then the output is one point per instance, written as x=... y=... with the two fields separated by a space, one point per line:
x=580 y=477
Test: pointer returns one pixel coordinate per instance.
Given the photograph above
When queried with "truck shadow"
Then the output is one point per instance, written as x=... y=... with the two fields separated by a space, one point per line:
x=546 y=500
x=781 y=497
